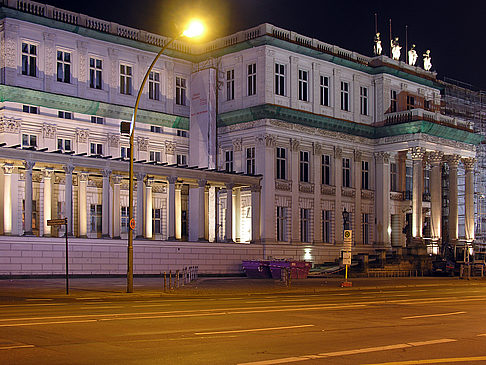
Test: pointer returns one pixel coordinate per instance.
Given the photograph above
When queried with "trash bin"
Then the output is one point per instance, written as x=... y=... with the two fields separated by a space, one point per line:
x=276 y=268
x=299 y=269
x=256 y=269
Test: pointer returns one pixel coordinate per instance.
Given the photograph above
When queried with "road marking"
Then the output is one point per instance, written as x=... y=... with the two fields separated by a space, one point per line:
x=349 y=352
x=482 y=334
x=434 y=315
x=15 y=347
x=103 y=307
x=255 y=330
x=44 y=323
x=150 y=305
x=260 y=301
x=88 y=298
x=433 y=361
x=36 y=299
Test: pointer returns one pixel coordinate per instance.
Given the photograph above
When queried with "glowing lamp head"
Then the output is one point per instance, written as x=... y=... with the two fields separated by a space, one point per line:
x=195 y=28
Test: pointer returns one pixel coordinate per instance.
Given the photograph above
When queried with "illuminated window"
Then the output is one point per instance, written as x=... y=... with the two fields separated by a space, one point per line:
x=64 y=66
x=95 y=73
x=29 y=59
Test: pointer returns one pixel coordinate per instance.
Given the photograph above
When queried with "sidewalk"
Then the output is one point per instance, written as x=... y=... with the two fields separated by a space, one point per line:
x=21 y=289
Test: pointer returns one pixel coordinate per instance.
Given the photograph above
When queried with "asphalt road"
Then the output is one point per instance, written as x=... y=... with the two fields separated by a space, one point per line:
x=442 y=322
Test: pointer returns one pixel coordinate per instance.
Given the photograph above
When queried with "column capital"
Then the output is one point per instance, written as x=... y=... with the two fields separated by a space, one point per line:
x=452 y=160
x=83 y=176
x=7 y=169
x=417 y=153
x=48 y=172
x=469 y=163
x=28 y=164
x=255 y=188
x=357 y=155
x=316 y=148
x=237 y=144
x=106 y=173
x=116 y=179
x=68 y=169
x=338 y=152
x=294 y=144
x=171 y=179
x=201 y=183
x=149 y=182
x=435 y=157
x=267 y=140
x=140 y=176
x=382 y=157
x=229 y=186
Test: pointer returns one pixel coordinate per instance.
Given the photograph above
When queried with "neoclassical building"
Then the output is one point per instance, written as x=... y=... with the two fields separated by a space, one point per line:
x=264 y=136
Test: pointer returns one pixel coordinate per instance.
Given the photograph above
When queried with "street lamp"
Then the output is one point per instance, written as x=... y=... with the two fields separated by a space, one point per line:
x=194 y=29
x=345 y=219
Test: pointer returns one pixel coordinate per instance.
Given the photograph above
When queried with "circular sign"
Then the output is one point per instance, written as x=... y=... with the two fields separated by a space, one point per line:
x=132 y=223
x=347 y=234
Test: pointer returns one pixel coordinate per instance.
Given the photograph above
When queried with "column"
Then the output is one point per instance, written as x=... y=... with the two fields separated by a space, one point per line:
x=148 y=206
x=178 y=211
x=417 y=154
x=469 y=199
x=29 y=165
x=105 y=204
x=139 y=220
x=228 y=229
x=435 y=159
x=206 y=213
x=116 y=206
x=317 y=163
x=82 y=204
x=382 y=198
x=357 y=198
x=255 y=213
x=68 y=197
x=236 y=214
x=7 y=199
x=201 y=208
x=294 y=176
x=453 y=161
x=171 y=217
x=338 y=181
x=48 y=172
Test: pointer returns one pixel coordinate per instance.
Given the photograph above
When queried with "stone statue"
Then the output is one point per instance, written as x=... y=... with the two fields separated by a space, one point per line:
x=395 y=49
x=412 y=56
x=427 y=60
x=377 y=47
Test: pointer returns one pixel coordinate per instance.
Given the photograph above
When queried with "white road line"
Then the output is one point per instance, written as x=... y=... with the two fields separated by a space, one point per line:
x=103 y=307
x=260 y=301
x=16 y=347
x=482 y=334
x=35 y=299
x=347 y=352
x=44 y=323
x=434 y=315
x=255 y=330
x=150 y=305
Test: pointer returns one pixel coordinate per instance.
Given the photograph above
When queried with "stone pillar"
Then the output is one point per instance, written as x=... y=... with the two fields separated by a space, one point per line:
x=29 y=165
x=228 y=229
x=105 y=204
x=255 y=213
x=206 y=213
x=402 y=170
x=139 y=221
x=469 y=198
x=68 y=197
x=382 y=198
x=171 y=218
x=294 y=167
x=201 y=190
x=417 y=154
x=338 y=182
x=148 y=207
x=357 y=234
x=48 y=172
x=83 y=204
x=7 y=199
x=116 y=206
x=178 y=211
x=453 y=161
x=236 y=214
x=317 y=163
x=435 y=159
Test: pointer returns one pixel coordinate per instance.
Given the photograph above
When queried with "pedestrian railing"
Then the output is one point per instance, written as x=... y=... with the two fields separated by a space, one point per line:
x=394 y=273
x=178 y=278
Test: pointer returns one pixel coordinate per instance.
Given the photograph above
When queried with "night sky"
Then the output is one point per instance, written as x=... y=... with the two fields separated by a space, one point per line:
x=454 y=31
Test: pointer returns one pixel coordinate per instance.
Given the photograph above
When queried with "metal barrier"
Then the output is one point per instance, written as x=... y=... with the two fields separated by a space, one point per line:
x=179 y=278
x=395 y=273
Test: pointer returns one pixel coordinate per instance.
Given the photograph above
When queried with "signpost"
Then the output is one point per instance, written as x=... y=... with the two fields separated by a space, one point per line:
x=60 y=222
x=346 y=253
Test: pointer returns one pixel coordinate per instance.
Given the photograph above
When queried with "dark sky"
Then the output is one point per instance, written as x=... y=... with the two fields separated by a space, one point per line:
x=454 y=31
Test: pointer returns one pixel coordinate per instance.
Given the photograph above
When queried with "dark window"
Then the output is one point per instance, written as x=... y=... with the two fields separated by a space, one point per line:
x=346 y=172
x=325 y=91
x=251 y=75
x=95 y=73
x=29 y=59
x=230 y=85
x=64 y=66
x=281 y=163
x=304 y=166
x=326 y=170
x=280 y=79
x=365 y=169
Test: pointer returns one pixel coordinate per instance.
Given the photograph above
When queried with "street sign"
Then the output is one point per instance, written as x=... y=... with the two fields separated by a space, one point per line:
x=346 y=257
x=132 y=224
x=348 y=239
x=57 y=222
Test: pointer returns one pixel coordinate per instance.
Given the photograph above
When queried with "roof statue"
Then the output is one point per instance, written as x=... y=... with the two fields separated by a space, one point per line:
x=377 y=46
x=395 y=49
x=427 y=60
x=412 y=56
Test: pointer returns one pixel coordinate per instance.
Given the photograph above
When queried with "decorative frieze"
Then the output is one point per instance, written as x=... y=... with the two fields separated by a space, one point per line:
x=396 y=195
x=170 y=147
x=349 y=192
x=143 y=143
x=284 y=185
x=49 y=130
x=114 y=140
x=367 y=194
x=9 y=125
x=328 y=190
x=82 y=135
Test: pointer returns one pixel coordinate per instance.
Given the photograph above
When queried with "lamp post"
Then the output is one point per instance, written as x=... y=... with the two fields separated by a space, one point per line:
x=194 y=29
x=345 y=219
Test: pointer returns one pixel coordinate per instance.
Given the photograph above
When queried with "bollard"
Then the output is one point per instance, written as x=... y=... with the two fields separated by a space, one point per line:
x=165 y=281
x=197 y=271
x=170 y=279
x=177 y=279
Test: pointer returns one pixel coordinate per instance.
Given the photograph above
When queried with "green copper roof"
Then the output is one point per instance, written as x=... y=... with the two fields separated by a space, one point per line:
x=89 y=107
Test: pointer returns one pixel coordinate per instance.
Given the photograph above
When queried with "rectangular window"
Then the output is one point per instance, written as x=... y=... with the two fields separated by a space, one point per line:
x=30 y=109
x=426 y=181
x=279 y=79
x=64 y=144
x=410 y=102
x=125 y=79
x=182 y=133
x=363 y=99
x=64 y=115
x=29 y=140
x=228 y=162
x=124 y=220
x=250 y=161
x=325 y=94
x=303 y=85
x=366 y=228
x=156 y=221
x=427 y=105
x=97 y=120
x=346 y=172
x=393 y=177
x=181 y=89
x=95 y=73
x=304 y=166
x=125 y=152
x=345 y=96
x=154 y=85
x=326 y=170
x=251 y=76
x=394 y=101
x=230 y=85
x=182 y=160
x=64 y=66
x=281 y=163
x=408 y=182
x=156 y=129
x=95 y=218
x=326 y=226
x=365 y=170
x=29 y=59
x=96 y=148
x=281 y=224
x=304 y=225
x=154 y=156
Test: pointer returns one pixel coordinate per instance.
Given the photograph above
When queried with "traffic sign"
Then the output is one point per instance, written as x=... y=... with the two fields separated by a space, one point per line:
x=348 y=239
x=132 y=224
x=57 y=222
x=346 y=257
